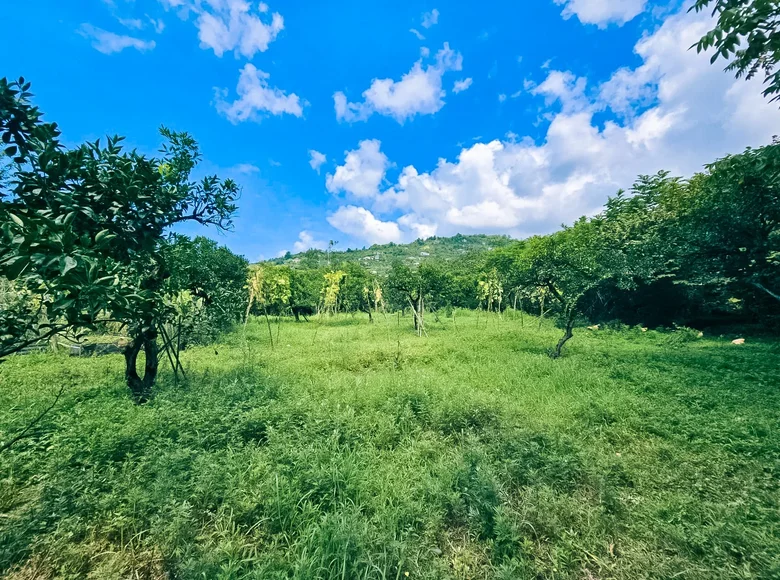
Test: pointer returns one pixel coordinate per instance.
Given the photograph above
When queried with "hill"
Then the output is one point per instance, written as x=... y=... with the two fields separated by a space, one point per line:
x=379 y=258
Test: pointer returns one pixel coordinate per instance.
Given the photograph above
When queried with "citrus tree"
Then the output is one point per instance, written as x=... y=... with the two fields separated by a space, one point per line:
x=84 y=228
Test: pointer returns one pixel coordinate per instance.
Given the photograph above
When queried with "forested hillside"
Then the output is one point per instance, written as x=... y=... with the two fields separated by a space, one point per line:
x=379 y=258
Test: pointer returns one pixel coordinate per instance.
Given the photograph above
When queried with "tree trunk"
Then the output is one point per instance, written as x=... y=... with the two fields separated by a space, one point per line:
x=141 y=387
x=370 y=318
x=567 y=335
x=421 y=310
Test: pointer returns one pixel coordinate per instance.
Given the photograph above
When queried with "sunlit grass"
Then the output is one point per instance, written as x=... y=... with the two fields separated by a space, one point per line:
x=352 y=450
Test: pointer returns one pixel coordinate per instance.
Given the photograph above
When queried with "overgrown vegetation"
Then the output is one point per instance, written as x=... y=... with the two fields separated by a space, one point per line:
x=367 y=452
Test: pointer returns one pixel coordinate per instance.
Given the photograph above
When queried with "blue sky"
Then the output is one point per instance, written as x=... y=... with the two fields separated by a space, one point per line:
x=370 y=122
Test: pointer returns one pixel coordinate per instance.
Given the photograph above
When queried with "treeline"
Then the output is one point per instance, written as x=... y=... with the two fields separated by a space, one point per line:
x=702 y=251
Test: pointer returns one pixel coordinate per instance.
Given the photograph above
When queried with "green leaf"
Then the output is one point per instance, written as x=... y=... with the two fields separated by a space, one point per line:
x=70 y=263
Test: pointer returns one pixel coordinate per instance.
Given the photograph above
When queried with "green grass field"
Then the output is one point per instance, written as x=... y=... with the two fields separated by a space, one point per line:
x=357 y=451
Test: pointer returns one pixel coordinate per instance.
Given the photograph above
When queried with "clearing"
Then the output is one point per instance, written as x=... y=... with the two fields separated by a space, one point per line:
x=357 y=450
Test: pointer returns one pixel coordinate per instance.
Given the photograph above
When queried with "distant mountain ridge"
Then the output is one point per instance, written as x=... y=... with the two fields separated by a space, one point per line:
x=379 y=258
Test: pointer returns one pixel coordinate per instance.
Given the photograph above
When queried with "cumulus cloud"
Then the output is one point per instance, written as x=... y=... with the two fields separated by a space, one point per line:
x=306 y=241
x=674 y=111
x=430 y=18
x=417 y=33
x=564 y=87
x=231 y=25
x=362 y=224
x=462 y=85
x=316 y=159
x=109 y=43
x=362 y=173
x=256 y=98
x=602 y=12
x=419 y=92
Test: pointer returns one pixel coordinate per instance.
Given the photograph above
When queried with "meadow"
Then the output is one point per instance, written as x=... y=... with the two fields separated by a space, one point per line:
x=353 y=450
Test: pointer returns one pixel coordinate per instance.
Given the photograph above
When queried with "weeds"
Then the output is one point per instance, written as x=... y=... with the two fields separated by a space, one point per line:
x=373 y=453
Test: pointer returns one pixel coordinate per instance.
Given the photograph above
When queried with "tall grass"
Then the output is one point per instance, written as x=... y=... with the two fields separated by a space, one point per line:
x=357 y=450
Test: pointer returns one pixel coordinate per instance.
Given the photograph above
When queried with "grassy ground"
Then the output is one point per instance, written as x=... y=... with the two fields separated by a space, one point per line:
x=362 y=451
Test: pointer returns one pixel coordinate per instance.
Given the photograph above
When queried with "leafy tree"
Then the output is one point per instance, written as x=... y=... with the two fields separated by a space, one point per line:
x=211 y=273
x=84 y=229
x=490 y=291
x=731 y=228
x=305 y=286
x=331 y=291
x=357 y=289
x=571 y=263
x=748 y=33
x=429 y=282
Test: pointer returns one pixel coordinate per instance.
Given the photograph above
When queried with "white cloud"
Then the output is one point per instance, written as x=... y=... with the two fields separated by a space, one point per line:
x=674 y=111
x=246 y=168
x=158 y=24
x=361 y=223
x=417 y=33
x=501 y=98
x=462 y=85
x=306 y=241
x=316 y=159
x=132 y=23
x=419 y=92
x=231 y=25
x=430 y=18
x=602 y=12
x=255 y=97
x=362 y=173
x=109 y=43
x=563 y=86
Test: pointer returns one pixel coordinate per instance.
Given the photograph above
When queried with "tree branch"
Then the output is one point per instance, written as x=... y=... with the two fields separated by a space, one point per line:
x=765 y=289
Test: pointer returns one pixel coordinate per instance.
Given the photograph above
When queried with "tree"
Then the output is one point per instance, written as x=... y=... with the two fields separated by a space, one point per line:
x=305 y=285
x=731 y=226
x=84 y=229
x=211 y=273
x=429 y=282
x=357 y=289
x=754 y=27
x=571 y=263
x=331 y=291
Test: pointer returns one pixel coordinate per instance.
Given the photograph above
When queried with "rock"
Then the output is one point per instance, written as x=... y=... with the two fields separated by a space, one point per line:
x=738 y=341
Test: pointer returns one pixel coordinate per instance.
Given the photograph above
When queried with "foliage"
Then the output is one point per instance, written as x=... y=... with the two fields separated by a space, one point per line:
x=84 y=229
x=751 y=25
x=356 y=289
x=331 y=290
x=732 y=227
x=269 y=288
x=213 y=275
x=490 y=291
